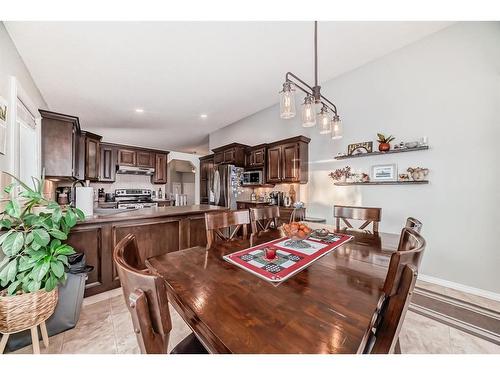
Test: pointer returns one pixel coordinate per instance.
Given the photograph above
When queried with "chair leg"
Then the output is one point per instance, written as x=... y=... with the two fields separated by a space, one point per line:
x=3 y=343
x=34 y=340
x=397 y=348
x=45 y=335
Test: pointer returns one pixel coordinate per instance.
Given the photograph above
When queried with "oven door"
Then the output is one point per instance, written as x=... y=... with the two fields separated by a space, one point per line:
x=252 y=178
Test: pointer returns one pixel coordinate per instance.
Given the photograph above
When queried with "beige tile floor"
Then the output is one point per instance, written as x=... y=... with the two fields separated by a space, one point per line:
x=105 y=327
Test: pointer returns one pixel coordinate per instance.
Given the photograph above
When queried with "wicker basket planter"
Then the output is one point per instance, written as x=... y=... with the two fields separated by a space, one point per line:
x=26 y=310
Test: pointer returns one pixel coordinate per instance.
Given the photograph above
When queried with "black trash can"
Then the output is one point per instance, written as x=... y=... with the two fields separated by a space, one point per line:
x=68 y=307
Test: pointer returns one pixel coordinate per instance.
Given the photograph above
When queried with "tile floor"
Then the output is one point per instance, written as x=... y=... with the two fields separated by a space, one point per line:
x=105 y=327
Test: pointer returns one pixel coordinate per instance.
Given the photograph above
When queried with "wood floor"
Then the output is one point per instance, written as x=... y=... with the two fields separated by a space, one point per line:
x=440 y=320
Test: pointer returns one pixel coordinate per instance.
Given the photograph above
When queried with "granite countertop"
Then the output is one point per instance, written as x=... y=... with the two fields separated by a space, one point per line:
x=147 y=213
x=252 y=202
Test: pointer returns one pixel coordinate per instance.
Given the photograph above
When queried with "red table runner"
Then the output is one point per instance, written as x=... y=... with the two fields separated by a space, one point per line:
x=288 y=261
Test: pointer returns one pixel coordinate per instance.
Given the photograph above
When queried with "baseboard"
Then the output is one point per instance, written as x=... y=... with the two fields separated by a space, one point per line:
x=460 y=287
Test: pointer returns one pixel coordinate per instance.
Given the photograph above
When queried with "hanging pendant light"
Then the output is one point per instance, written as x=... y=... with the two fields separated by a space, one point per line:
x=308 y=112
x=324 y=122
x=337 y=131
x=287 y=101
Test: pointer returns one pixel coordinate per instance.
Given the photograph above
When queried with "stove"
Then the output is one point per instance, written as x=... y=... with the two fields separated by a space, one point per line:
x=134 y=198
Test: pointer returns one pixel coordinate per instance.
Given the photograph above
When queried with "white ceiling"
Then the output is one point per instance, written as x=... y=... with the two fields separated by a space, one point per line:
x=103 y=71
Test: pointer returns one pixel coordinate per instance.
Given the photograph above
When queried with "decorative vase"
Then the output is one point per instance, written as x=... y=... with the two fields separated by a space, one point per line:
x=343 y=178
x=25 y=310
x=382 y=147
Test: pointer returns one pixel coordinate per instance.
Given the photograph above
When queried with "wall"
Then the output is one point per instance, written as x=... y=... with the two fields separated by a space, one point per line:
x=11 y=65
x=447 y=87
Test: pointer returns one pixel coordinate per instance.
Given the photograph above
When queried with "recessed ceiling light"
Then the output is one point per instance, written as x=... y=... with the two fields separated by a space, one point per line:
x=203 y=115
x=139 y=110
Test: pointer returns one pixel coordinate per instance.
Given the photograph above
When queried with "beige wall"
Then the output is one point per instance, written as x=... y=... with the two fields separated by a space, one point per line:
x=446 y=87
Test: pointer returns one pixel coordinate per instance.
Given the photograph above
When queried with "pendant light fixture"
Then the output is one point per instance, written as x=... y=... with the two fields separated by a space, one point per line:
x=313 y=100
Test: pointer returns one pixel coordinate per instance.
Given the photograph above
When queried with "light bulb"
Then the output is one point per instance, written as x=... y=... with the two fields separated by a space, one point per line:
x=336 y=127
x=308 y=112
x=324 y=121
x=287 y=101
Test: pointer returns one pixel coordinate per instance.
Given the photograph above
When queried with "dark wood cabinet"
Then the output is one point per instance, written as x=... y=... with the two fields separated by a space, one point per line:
x=206 y=177
x=107 y=164
x=92 y=155
x=145 y=159
x=160 y=165
x=256 y=157
x=60 y=145
x=287 y=161
x=127 y=157
x=233 y=153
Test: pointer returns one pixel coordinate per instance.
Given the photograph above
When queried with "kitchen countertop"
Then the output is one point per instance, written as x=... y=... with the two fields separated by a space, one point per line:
x=153 y=212
x=252 y=202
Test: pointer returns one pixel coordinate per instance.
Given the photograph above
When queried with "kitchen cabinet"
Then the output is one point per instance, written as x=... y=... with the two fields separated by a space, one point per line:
x=256 y=157
x=233 y=153
x=206 y=177
x=60 y=146
x=160 y=165
x=91 y=155
x=145 y=159
x=107 y=163
x=127 y=157
x=287 y=161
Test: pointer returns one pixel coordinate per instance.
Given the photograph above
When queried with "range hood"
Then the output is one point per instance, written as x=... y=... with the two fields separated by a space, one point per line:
x=126 y=169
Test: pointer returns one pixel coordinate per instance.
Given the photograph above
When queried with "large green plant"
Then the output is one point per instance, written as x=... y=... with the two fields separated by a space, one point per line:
x=33 y=244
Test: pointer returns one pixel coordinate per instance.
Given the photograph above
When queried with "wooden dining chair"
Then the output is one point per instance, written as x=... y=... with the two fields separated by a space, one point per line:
x=397 y=290
x=226 y=226
x=146 y=299
x=414 y=224
x=368 y=214
x=264 y=224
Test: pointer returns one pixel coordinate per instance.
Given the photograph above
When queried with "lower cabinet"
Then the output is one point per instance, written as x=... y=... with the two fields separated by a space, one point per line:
x=154 y=236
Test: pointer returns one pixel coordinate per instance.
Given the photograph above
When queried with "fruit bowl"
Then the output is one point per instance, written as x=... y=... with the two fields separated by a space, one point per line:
x=296 y=231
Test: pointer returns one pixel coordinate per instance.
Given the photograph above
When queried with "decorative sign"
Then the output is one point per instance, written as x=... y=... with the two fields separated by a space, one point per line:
x=360 y=148
x=384 y=172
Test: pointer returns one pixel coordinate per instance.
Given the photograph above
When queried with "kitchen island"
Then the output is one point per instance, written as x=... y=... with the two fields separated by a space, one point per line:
x=158 y=231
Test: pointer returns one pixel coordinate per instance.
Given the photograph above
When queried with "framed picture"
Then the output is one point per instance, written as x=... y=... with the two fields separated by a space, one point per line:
x=3 y=125
x=384 y=172
x=360 y=148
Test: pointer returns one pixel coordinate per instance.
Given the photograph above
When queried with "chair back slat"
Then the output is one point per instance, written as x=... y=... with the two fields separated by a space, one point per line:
x=370 y=215
x=264 y=223
x=145 y=296
x=225 y=226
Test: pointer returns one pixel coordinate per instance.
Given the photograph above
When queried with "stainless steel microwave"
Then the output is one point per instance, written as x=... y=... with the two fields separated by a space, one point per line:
x=252 y=178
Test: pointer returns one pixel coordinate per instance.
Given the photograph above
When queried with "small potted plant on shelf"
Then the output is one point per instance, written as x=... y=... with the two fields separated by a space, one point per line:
x=341 y=174
x=34 y=256
x=384 y=142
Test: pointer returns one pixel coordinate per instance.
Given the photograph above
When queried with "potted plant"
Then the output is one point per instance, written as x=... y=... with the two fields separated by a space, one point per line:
x=341 y=174
x=384 y=142
x=35 y=256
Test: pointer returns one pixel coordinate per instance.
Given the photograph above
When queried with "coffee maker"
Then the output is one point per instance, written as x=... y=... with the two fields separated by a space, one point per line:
x=277 y=198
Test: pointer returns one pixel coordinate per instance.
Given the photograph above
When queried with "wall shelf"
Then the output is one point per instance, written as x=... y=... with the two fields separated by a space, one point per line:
x=376 y=153
x=382 y=183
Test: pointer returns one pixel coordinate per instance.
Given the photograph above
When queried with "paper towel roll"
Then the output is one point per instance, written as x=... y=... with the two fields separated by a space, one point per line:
x=84 y=200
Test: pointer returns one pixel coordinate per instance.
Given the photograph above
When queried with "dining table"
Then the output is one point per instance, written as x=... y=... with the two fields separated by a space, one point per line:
x=328 y=307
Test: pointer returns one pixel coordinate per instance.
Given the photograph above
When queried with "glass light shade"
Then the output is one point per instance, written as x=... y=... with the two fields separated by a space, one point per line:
x=308 y=113
x=324 y=122
x=337 y=130
x=287 y=102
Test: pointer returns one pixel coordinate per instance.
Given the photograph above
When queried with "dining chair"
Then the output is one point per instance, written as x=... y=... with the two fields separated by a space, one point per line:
x=398 y=283
x=368 y=214
x=414 y=224
x=226 y=226
x=146 y=299
x=264 y=224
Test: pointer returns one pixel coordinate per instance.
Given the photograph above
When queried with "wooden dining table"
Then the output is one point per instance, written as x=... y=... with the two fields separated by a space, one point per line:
x=326 y=308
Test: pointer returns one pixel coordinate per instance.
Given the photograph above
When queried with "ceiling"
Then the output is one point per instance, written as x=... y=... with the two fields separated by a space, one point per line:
x=175 y=71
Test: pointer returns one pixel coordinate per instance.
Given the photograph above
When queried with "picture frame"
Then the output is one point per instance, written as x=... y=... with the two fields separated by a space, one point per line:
x=3 y=125
x=360 y=148
x=384 y=172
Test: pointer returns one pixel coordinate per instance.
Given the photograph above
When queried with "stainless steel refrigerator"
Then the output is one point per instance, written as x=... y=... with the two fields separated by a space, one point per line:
x=226 y=185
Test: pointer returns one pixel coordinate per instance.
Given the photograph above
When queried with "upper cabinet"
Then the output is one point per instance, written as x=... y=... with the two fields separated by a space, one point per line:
x=145 y=159
x=91 y=154
x=60 y=145
x=256 y=157
x=127 y=157
x=160 y=165
x=107 y=163
x=233 y=153
x=287 y=161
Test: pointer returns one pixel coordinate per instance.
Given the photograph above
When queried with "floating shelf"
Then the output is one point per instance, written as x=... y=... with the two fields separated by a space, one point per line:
x=376 y=153
x=383 y=183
